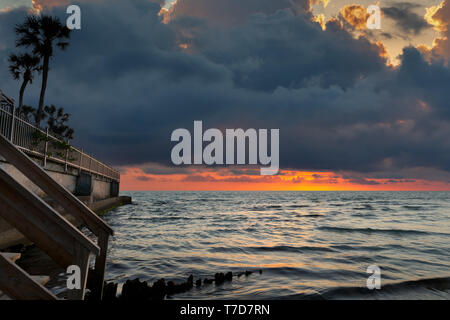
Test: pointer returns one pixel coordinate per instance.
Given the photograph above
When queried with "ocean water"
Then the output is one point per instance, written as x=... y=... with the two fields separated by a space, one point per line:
x=309 y=245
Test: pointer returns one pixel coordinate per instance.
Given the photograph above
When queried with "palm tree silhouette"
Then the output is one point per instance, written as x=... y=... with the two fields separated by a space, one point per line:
x=24 y=66
x=41 y=33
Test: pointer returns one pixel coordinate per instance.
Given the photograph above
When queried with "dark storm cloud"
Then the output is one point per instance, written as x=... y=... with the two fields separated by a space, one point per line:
x=129 y=84
x=144 y=178
x=286 y=50
x=158 y=169
x=231 y=12
x=430 y=80
x=405 y=18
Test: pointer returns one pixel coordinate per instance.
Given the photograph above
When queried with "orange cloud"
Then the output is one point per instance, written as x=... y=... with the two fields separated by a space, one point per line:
x=7 y=9
x=356 y=15
x=382 y=50
x=439 y=18
x=320 y=18
x=39 y=5
x=314 y=2
x=434 y=17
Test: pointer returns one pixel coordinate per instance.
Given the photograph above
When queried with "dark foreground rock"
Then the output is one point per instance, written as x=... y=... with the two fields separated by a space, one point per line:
x=174 y=288
x=137 y=290
x=110 y=291
x=219 y=278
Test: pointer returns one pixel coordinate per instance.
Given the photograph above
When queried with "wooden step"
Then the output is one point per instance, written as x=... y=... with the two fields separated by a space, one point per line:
x=4 y=297
x=18 y=284
x=39 y=279
x=11 y=256
x=16 y=256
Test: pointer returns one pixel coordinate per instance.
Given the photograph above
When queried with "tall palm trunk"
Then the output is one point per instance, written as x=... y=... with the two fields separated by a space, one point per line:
x=22 y=90
x=40 y=110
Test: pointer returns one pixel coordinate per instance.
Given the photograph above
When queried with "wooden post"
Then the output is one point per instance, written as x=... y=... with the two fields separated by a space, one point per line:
x=46 y=147
x=100 y=265
x=82 y=261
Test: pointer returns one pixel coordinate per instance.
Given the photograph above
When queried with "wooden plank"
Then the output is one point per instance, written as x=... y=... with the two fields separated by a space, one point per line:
x=41 y=279
x=39 y=215
x=4 y=297
x=17 y=284
x=11 y=256
x=60 y=194
x=81 y=260
x=100 y=266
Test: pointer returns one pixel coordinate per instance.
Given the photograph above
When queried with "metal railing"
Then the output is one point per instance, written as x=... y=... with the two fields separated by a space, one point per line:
x=46 y=145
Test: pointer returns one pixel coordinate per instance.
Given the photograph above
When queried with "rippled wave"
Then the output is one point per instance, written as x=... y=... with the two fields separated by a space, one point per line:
x=382 y=231
x=309 y=245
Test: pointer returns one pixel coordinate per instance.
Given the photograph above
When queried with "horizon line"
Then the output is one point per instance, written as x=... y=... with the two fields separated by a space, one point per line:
x=285 y=190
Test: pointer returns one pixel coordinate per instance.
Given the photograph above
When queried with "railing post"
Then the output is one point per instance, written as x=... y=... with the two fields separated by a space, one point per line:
x=46 y=147
x=81 y=161
x=13 y=121
x=67 y=156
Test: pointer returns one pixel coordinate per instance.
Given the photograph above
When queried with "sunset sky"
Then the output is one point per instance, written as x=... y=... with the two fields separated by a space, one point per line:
x=357 y=109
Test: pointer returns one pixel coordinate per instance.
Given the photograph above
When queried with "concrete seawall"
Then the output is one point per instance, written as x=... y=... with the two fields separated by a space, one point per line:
x=99 y=193
x=80 y=184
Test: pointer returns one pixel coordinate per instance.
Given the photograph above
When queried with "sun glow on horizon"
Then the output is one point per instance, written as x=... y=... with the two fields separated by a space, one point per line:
x=136 y=179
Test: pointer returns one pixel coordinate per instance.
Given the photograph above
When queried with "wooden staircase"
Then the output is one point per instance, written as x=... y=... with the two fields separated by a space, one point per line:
x=47 y=229
x=18 y=284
